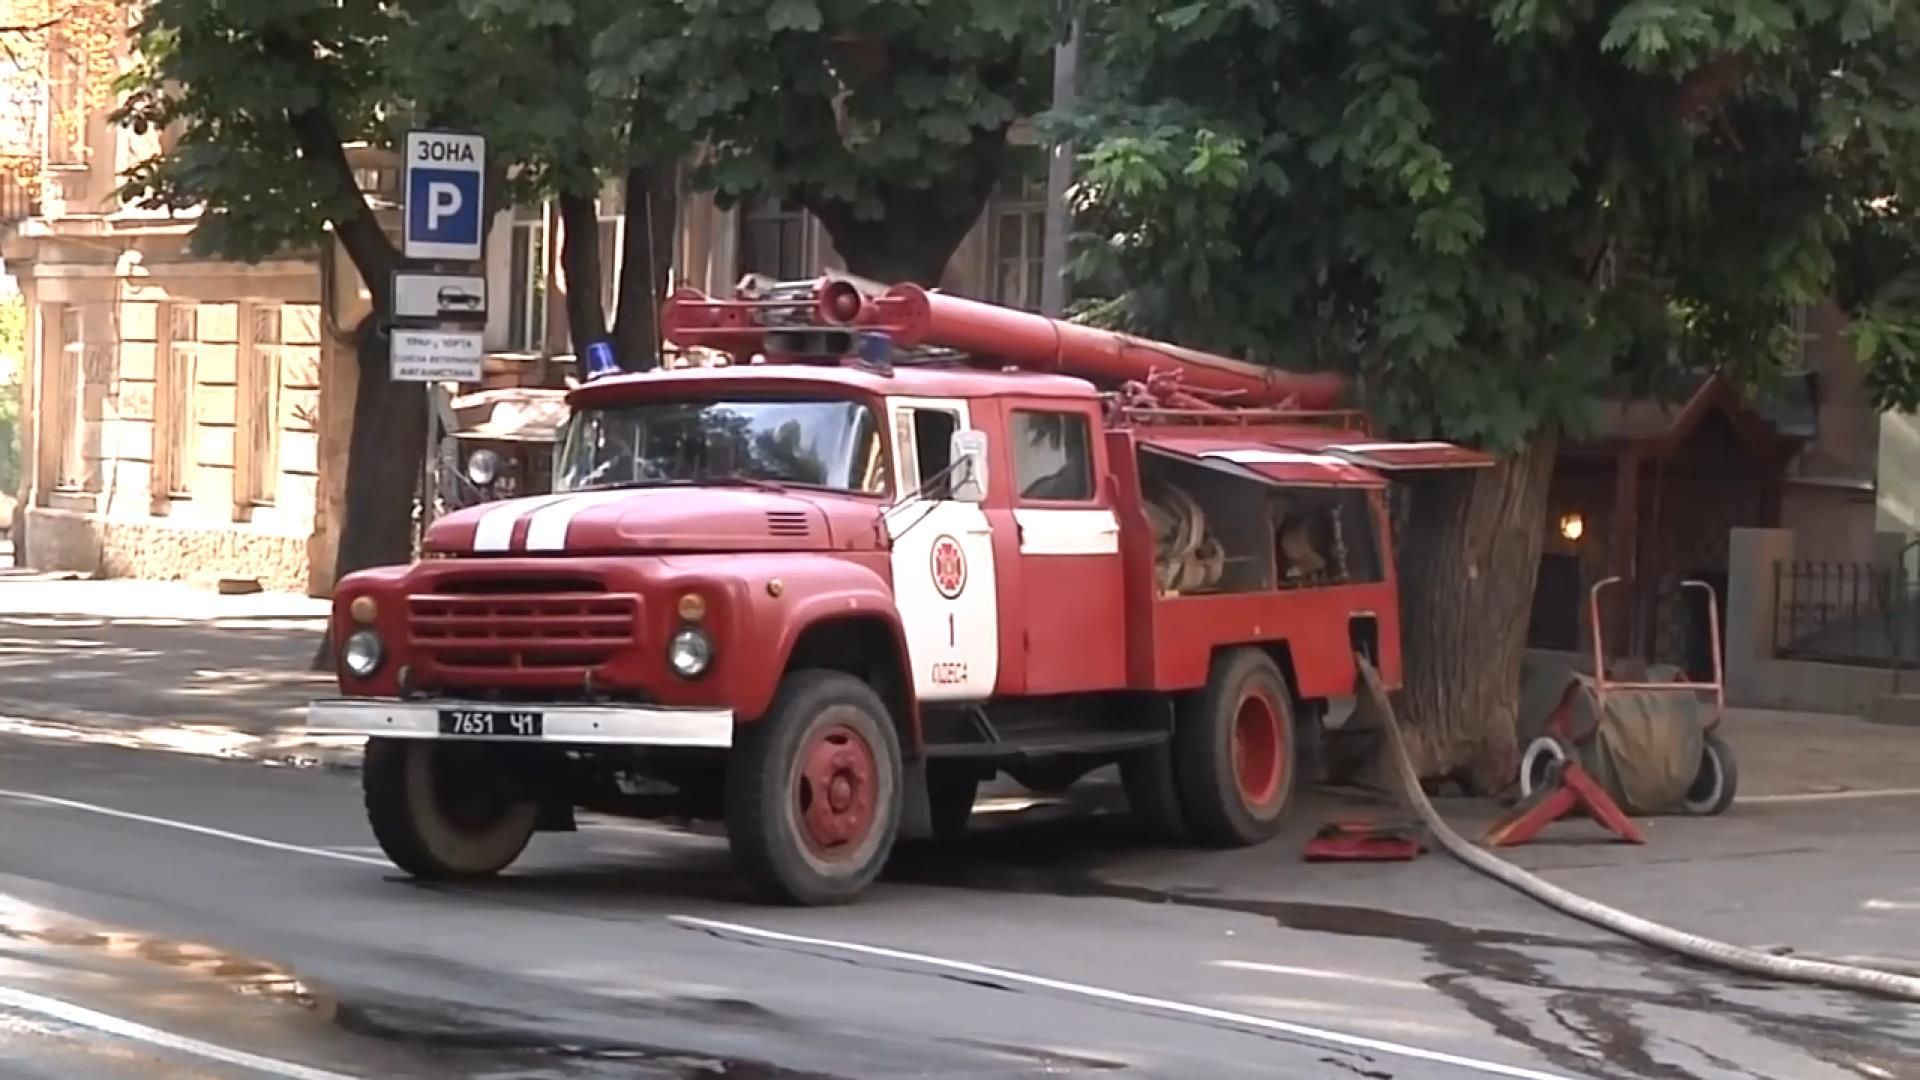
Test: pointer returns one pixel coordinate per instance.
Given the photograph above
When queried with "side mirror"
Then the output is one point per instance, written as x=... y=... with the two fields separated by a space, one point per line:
x=968 y=481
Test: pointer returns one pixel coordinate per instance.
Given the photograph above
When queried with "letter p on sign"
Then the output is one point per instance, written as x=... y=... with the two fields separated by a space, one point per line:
x=443 y=201
x=445 y=195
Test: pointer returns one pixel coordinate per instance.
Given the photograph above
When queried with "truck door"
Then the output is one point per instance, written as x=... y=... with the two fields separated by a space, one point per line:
x=1071 y=601
x=943 y=574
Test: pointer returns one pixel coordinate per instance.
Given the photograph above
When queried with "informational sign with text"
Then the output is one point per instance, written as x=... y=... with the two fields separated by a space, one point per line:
x=435 y=356
x=446 y=195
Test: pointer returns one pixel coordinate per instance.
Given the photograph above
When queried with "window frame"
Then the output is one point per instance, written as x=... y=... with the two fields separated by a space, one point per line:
x=1019 y=483
x=1023 y=199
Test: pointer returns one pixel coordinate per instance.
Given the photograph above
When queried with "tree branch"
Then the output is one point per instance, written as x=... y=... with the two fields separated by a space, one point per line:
x=359 y=230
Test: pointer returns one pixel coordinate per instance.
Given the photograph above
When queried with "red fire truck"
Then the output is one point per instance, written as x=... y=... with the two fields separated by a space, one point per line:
x=904 y=542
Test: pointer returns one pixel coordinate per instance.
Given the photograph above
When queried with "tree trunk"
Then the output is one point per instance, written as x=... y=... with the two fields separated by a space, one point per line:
x=384 y=457
x=580 y=268
x=912 y=241
x=1468 y=559
x=653 y=210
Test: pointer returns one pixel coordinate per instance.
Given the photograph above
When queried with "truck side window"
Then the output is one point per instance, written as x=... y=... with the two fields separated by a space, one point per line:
x=1052 y=455
x=933 y=448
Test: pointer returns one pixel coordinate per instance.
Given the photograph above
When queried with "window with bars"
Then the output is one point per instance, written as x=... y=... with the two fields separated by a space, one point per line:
x=176 y=430
x=259 y=416
x=773 y=240
x=67 y=380
x=527 y=285
x=1018 y=234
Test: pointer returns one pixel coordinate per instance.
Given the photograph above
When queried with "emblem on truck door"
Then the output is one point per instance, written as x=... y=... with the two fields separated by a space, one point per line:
x=949 y=567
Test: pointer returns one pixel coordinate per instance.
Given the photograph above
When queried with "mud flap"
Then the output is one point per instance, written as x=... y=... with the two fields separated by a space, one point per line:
x=916 y=811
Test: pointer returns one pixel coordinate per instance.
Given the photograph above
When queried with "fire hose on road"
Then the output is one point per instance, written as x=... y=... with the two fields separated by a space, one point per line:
x=1693 y=946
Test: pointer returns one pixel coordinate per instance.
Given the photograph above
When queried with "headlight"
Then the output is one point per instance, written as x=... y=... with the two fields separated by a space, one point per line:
x=689 y=653
x=362 y=654
x=483 y=467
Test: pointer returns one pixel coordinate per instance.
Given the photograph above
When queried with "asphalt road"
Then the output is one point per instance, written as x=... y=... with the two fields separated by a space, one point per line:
x=162 y=916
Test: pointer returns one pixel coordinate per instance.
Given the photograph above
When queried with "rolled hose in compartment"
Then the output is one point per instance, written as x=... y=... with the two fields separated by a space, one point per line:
x=1705 y=950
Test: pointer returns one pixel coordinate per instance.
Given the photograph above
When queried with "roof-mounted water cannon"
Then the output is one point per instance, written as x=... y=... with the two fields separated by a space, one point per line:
x=912 y=316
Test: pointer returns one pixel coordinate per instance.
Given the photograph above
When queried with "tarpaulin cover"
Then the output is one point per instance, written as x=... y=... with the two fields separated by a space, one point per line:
x=1648 y=746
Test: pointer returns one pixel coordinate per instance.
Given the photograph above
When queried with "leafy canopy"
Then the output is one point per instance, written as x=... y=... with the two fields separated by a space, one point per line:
x=848 y=101
x=854 y=108
x=1495 y=210
x=241 y=80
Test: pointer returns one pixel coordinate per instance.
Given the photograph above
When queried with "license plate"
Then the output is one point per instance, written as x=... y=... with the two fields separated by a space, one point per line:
x=515 y=723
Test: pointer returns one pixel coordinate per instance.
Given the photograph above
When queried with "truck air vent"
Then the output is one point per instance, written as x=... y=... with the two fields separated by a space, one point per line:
x=788 y=523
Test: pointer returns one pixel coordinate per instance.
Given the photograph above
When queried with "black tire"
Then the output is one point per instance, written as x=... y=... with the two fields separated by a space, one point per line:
x=1152 y=797
x=835 y=724
x=1714 y=785
x=445 y=811
x=1244 y=714
x=951 y=793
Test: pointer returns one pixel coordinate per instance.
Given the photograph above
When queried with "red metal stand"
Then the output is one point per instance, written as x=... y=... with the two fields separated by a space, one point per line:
x=1568 y=788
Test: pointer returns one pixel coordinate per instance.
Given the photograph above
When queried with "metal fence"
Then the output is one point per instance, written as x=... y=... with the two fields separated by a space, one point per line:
x=1862 y=613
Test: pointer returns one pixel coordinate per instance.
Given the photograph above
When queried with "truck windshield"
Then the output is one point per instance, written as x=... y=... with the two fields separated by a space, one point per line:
x=828 y=444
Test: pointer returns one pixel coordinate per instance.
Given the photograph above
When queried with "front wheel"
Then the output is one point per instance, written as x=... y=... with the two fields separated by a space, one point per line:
x=445 y=810
x=813 y=791
x=1233 y=752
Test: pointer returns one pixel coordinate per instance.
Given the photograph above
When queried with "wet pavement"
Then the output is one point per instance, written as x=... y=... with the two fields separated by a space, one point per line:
x=245 y=909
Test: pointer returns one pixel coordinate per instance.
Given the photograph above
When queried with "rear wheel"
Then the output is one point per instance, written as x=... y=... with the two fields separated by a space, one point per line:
x=445 y=810
x=813 y=791
x=1233 y=752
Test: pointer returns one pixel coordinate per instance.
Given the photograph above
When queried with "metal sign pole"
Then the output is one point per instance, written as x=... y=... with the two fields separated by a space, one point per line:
x=429 y=461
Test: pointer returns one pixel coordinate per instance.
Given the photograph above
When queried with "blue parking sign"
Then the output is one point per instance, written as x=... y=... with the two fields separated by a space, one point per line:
x=446 y=195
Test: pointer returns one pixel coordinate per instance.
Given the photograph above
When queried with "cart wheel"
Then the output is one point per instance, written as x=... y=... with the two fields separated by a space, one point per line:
x=1541 y=755
x=1713 y=786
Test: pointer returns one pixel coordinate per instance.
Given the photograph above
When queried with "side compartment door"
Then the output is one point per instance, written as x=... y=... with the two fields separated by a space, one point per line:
x=1072 y=596
x=943 y=574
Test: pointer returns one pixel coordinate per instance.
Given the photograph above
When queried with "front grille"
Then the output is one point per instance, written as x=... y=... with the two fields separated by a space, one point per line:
x=489 y=630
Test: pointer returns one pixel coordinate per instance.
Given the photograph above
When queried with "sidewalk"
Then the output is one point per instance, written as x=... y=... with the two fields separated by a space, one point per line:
x=161 y=664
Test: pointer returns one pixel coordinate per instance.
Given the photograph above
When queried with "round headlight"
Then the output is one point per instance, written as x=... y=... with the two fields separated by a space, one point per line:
x=483 y=467
x=689 y=653
x=362 y=654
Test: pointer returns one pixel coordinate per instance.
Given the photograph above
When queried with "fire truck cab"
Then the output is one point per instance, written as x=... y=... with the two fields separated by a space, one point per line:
x=822 y=594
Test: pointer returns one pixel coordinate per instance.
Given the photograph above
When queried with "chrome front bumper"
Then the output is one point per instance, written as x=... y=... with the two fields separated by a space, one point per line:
x=530 y=722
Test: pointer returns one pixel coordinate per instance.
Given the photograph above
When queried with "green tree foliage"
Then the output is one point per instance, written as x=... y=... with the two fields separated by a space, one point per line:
x=887 y=120
x=1495 y=211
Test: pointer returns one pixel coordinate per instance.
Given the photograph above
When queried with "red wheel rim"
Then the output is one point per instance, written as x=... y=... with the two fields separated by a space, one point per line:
x=836 y=792
x=1259 y=759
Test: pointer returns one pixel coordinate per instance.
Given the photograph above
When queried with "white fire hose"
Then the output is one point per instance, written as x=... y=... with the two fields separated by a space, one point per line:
x=1693 y=946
